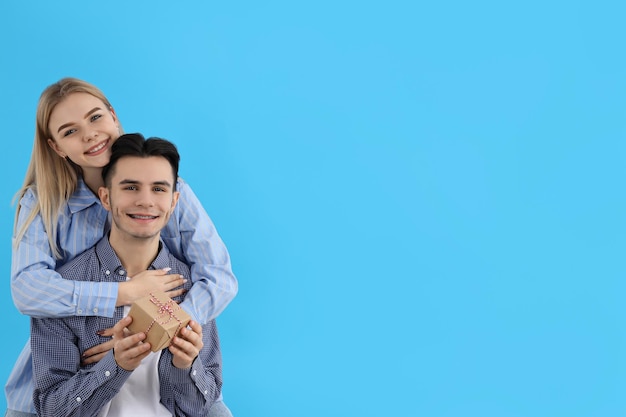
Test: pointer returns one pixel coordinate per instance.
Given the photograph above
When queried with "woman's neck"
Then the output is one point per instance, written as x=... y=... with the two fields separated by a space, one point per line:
x=93 y=179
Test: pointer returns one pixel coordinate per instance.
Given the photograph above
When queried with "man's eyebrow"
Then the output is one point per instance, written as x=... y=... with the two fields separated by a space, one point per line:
x=162 y=182
x=95 y=109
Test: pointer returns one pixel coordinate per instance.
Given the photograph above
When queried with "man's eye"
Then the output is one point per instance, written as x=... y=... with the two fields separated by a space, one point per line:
x=159 y=189
x=130 y=188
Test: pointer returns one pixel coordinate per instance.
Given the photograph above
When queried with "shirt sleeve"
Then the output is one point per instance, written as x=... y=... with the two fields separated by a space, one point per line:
x=62 y=388
x=200 y=246
x=38 y=290
x=191 y=392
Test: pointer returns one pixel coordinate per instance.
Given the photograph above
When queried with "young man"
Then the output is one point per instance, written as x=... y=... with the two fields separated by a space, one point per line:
x=184 y=379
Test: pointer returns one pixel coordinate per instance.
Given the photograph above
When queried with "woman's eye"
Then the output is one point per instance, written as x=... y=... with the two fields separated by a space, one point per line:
x=68 y=132
x=95 y=117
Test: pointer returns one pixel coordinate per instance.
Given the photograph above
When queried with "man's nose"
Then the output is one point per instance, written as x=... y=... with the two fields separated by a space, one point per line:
x=145 y=199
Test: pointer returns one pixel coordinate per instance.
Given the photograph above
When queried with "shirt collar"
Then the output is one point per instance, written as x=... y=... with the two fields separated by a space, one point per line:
x=110 y=262
x=82 y=197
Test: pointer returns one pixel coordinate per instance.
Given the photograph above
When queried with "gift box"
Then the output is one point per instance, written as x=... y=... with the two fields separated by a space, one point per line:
x=159 y=317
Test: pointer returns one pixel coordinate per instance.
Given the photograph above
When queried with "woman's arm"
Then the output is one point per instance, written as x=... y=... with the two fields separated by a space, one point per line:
x=191 y=236
x=37 y=289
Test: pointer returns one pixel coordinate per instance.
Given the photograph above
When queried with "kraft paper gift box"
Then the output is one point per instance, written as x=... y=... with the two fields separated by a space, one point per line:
x=159 y=317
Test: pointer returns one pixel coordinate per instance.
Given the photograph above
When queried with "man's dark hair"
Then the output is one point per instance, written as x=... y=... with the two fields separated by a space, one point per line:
x=134 y=144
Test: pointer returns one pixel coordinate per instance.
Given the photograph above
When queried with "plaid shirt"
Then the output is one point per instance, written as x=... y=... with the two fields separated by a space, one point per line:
x=63 y=387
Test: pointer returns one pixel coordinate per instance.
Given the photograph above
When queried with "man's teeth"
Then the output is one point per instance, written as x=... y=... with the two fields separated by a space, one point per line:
x=137 y=216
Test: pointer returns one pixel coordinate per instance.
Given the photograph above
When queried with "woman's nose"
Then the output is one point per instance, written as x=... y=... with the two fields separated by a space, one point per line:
x=90 y=135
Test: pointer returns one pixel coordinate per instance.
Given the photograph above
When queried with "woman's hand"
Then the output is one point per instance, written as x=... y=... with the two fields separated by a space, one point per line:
x=94 y=354
x=147 y=281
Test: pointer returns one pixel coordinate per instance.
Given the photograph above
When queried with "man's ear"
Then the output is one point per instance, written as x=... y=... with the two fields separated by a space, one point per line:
x=103 y=193
x=175 y=196
x=56 y=148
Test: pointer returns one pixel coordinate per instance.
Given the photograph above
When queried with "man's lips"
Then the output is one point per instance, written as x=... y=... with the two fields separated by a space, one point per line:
x=142 y=216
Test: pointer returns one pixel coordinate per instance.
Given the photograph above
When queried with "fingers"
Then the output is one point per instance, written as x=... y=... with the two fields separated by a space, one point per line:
x=150 y=274
x=129 y=351
x=118 y=329
x=188 y=341
x=159 y=279
x=146 y=282
x=94 y=354
x=175 y=293
x=172 y=281
x=162 y=271
x=186 y=346
x=106 y=332
x=172 y=285
x=197 y=329
x=88 y=360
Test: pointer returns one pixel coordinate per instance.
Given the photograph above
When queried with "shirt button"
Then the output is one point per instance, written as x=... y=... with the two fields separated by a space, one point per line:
x=78 y=399
x=107 y=272
x=194 y=372
x=95 y=310
x=206 y=392
x=80 y=311
x=122 y=272
x=107 y=373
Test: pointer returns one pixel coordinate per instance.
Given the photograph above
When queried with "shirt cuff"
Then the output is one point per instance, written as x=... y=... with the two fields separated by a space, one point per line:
x=95 y=298
x=109 y=372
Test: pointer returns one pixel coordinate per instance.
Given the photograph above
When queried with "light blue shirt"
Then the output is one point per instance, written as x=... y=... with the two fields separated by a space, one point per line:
x=39 y=291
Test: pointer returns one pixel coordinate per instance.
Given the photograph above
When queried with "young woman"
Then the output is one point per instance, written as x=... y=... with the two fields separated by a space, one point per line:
x=59 y=216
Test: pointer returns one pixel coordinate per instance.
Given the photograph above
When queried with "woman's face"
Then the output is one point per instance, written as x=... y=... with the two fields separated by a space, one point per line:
x=83 y=129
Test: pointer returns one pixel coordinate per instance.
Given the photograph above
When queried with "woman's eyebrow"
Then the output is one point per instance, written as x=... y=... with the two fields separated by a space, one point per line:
x=63 y=126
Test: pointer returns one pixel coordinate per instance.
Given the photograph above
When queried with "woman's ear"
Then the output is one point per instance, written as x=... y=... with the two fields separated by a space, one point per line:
x=112 y=110
x=56 y=148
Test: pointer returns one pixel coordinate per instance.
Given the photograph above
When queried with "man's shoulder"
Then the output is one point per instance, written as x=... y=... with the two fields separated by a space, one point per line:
x=82 y=262
x=177 y=265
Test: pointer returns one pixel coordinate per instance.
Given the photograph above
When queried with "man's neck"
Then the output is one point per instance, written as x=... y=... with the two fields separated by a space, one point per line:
x=135 y=254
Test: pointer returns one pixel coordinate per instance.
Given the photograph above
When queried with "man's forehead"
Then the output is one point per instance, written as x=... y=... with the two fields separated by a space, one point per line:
x=150 y=169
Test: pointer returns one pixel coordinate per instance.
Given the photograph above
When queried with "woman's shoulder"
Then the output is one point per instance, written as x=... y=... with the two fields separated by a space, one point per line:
x=182 y=184
x=28 y=197
x=186 y=193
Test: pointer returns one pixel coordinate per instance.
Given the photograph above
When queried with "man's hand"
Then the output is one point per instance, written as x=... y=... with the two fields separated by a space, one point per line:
x=151 y=280
x=128 y=351
x=186 y=346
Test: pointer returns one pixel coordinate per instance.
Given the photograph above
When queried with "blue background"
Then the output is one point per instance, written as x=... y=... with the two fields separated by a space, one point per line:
x=423 y=202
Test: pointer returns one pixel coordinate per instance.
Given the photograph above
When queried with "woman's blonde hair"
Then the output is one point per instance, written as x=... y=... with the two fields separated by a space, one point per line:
x=52 y=178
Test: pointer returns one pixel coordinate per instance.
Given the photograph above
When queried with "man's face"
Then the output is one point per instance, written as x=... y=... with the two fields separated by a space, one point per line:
x=141 y=196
